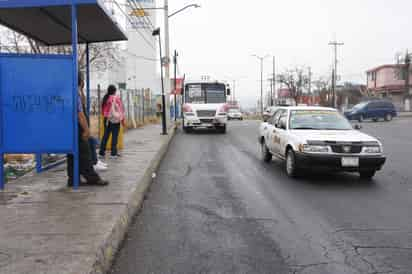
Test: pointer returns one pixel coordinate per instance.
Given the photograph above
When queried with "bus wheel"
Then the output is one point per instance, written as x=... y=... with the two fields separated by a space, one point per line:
x=222 y=129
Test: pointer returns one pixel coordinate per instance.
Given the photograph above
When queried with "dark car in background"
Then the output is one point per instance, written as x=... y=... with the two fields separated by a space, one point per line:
x=374 y=110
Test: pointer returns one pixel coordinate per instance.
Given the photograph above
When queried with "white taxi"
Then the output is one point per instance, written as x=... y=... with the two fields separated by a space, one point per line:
x=319 y=138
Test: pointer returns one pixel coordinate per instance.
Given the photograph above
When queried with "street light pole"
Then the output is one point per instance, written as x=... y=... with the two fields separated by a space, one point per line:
x=182 y=9
x=156 y=32
x=261 y=59
x=167 y=49
x=167 y=41
x=175 y=84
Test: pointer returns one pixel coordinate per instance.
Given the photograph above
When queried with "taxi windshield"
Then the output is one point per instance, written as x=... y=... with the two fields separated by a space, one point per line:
x=318 y=120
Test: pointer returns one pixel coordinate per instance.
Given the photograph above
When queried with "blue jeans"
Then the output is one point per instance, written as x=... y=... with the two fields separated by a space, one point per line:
x=93 y=145
x=113 y=129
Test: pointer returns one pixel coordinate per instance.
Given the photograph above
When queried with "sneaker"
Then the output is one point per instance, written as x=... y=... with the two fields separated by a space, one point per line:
x=100 y=167
x=115 y=156
x=99 y=162
x=98 y=182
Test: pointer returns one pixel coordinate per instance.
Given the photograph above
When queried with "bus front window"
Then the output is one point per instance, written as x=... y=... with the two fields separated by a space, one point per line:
x=205 y=93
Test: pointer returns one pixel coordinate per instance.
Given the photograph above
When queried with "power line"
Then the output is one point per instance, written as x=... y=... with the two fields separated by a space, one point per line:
x=142 y=57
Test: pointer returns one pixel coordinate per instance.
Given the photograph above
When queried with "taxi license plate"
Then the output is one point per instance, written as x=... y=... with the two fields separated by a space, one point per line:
x=350 y=161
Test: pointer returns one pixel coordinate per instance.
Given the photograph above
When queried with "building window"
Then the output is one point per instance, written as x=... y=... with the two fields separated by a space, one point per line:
x=400 y=74
x=373 y=75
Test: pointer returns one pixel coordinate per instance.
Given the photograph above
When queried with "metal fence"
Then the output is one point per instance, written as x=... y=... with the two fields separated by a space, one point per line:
x=139 y=105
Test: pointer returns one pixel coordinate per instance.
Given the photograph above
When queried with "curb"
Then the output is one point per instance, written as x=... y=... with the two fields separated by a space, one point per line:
x=107 y=251
x=405 y=115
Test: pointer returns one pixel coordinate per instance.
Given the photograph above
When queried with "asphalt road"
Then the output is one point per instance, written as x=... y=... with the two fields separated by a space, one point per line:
x=216 y=208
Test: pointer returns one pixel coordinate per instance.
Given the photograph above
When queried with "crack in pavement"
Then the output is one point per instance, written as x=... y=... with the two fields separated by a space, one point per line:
x=369 y=230
x=357 y=247
x=208 y=212
x=4 y=258
x=302 y=267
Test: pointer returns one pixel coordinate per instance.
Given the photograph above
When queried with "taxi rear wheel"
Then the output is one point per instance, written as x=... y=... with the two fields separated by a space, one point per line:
x=388 y=117
x=265 y=153
x=291 y=166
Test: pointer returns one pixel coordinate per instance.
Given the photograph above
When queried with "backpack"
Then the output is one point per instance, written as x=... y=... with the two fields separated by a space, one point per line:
x=114 y=115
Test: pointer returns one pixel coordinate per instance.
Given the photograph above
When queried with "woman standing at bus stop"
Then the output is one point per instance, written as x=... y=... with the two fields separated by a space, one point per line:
x=113 y=116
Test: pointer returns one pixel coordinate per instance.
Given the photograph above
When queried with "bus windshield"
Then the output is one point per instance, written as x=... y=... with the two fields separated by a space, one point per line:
x=205 y=93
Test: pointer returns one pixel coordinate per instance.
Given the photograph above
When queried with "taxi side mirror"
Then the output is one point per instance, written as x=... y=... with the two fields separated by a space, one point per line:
x=357 y=126
x=282 y=123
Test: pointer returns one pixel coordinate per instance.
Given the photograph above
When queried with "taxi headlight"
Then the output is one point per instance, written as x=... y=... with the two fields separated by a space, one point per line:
x=314 y=148
x=372 y=149
x=189 y=114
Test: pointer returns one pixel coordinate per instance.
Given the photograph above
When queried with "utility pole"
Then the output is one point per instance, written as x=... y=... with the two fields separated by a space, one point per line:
x=175 y=83
x=333 y=88
x=335 y=44
x=407 y=69
x=310 y=84
x=310 y=80
x=271 y=92
x=407 y=81
x=233 y=91
x=274 y=81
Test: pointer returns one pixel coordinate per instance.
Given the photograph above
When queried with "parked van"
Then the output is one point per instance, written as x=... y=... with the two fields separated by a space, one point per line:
x=374 y=110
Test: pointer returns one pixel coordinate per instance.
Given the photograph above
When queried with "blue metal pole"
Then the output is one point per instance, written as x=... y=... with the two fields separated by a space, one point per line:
x=1 y=171
x=1 y=145
x=88 y=81
x=76 y=175
x=38 y=163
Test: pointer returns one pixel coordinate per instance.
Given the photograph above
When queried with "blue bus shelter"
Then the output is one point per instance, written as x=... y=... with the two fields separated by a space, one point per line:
x=38 y=93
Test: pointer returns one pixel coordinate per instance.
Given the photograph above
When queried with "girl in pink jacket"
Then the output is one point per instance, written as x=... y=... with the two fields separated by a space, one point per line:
x=113 y=115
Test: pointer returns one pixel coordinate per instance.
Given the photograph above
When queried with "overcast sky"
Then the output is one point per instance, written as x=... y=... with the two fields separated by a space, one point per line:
x=218 y=38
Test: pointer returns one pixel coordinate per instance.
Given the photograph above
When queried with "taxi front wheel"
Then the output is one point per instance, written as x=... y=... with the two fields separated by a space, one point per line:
x=367 y=175
x=291 y=166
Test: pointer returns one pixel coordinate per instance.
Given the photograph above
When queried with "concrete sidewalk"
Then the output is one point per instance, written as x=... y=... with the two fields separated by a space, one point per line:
x=48 y=228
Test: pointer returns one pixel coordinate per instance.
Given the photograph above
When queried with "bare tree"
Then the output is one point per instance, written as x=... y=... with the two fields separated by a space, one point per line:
x=295 y=80
x=103 y=56
x=323 y=89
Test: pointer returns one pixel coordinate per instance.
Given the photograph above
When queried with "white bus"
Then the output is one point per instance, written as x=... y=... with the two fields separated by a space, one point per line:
x=204 y=106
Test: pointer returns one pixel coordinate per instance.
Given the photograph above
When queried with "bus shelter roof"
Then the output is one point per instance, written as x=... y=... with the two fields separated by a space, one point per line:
x=49 y=21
